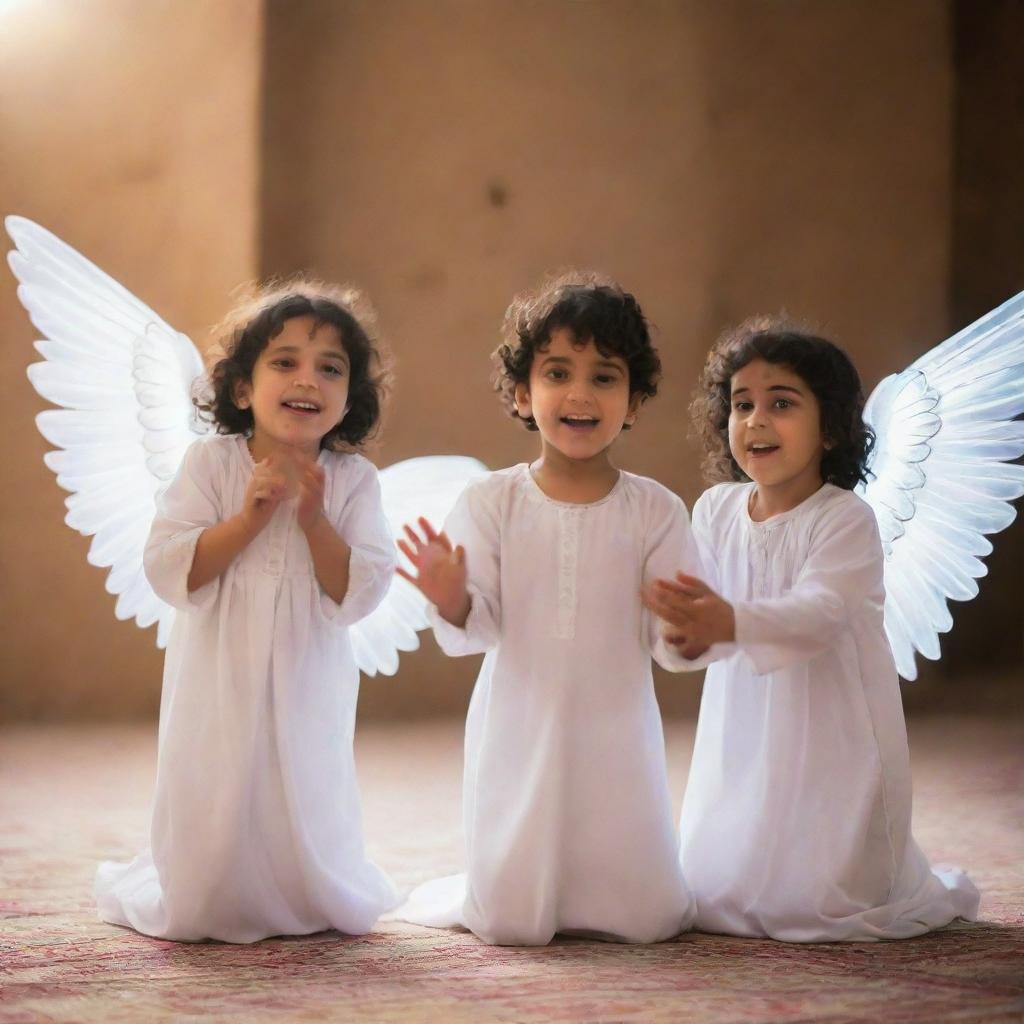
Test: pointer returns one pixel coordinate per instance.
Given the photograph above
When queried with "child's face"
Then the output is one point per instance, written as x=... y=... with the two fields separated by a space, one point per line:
x=775 y=429
x=578 y=397
x=299 y=387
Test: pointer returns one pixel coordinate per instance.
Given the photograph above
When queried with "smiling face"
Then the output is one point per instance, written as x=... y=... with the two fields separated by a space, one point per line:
x=299 y=388
x=775 y=433
x=578 y=397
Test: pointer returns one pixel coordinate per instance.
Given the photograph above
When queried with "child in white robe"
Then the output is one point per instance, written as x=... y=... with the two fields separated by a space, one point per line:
x=796 y=818
x=270 y=542
x=566 y=809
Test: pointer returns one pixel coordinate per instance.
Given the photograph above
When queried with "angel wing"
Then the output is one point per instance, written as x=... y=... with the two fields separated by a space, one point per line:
x=123 y=379
x=941 y=477
x=427 y=486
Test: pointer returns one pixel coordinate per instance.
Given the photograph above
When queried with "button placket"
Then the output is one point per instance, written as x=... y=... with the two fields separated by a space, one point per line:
x=276 y=545
x=568 y=563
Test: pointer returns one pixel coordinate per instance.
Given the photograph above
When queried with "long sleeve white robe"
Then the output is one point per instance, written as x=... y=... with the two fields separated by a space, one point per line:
x=256 y=827
x=567 y=815
x=796 y=818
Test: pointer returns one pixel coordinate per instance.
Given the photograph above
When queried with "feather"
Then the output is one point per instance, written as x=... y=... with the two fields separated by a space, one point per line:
x=121 y=376
x=123 y=379
x=941 y=477
x=428 y=486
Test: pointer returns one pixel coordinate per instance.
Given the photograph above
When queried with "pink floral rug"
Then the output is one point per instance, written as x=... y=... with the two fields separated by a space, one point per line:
x=71 y=796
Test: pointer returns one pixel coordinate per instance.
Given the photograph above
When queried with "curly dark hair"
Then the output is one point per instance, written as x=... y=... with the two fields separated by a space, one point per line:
x=825 y=368
x=594 y=308
x=260 y=317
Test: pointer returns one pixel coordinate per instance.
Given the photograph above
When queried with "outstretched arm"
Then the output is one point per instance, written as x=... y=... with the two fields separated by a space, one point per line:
x=842 y=571
x=673 y=546
x=440 y=571
x=694 y=615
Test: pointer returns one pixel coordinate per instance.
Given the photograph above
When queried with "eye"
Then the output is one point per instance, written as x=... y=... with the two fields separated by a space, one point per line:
x=743 y=406
x=782 y=403
x=333 y=370
x=606 y=379
x=282 y=362
x=556 y=373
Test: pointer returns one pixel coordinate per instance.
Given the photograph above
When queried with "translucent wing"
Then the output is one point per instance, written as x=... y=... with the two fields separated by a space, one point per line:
x=123 y=380
x=427 y=487
x=942 y=479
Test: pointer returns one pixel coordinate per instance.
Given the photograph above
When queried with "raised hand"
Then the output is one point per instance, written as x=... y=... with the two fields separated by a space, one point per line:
x=695 y=616
x=440 y=571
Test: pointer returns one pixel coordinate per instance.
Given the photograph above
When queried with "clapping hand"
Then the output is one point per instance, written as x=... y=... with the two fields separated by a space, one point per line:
x=268 y=487
x=310 y=483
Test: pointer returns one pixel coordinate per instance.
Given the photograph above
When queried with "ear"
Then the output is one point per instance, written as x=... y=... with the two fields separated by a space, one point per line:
x=523 y=404
x=242 y=394
x=635 y=400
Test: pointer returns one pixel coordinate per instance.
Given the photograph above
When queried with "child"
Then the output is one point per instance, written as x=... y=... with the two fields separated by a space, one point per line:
x=271 y=541
x=796 y=819
x=566 y=804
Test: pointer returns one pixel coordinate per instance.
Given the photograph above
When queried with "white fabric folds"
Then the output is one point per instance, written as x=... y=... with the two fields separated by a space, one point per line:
x=256 y=827
x=566 y=809
x=796 y=819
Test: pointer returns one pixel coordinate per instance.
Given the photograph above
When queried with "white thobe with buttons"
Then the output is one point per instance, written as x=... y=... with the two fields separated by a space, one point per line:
x=256 y=822
x=796 y=819
x=568 y=821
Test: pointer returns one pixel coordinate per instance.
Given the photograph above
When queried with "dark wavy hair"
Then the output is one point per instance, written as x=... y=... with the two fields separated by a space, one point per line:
x=260 y=317
x=827 y=371
x=594 y=308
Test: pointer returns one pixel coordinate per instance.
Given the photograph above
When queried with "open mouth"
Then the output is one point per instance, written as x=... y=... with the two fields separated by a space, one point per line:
x=580 y=422
x=302 y=408
x=759 y=451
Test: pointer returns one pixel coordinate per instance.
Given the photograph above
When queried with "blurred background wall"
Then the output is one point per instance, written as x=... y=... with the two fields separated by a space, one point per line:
x=131 y=128
x=855 y=162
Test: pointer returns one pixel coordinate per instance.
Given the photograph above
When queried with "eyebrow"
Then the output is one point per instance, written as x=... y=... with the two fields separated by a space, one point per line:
x=332 y=354
x=774 y=387
x=565 y=361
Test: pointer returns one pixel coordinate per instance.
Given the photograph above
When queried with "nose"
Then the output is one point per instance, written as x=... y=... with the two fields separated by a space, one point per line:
x=757 y=417
x=579 y=392
x=304 y=377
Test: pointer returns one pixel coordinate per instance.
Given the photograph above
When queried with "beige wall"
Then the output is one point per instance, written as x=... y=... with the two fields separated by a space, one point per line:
x=721 y=159
x=130 y=129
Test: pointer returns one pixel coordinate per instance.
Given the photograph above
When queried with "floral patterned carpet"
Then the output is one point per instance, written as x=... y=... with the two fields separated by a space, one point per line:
x=71 y=796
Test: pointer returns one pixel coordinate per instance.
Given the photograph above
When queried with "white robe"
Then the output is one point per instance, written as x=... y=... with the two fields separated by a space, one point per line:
x=256 y=826
x=567 y=814
x=796 y=819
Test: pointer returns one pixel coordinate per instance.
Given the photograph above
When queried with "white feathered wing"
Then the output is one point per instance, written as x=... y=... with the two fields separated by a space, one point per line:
x=123 y=379
x=941 y=480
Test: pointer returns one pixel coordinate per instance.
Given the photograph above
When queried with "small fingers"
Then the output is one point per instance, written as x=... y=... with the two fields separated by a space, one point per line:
x=692 y=585
x=428 y=531
x=413 y=536
x=413 y=556
x=672 y=587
